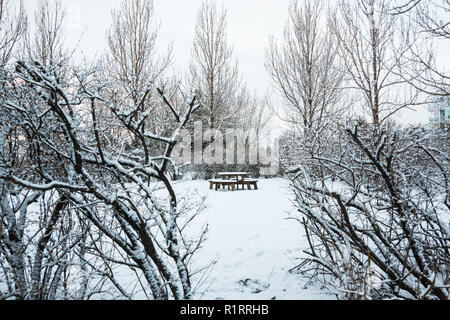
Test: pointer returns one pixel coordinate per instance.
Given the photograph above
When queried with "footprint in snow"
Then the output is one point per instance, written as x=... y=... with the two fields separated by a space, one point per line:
x=259 y=254
x=253 y=286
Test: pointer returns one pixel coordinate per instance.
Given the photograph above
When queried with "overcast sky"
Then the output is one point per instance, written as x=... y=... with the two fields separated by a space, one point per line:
x=250 y=22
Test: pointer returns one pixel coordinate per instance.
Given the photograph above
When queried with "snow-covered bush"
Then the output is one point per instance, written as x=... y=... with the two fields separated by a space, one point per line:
x=377 y=223
x=66 y=149
x=305 y=149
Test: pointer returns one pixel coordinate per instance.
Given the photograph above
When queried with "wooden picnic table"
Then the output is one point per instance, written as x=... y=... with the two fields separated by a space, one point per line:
x=231 y=179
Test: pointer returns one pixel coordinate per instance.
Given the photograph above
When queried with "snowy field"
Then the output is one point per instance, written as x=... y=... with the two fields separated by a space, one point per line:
x=253 y=243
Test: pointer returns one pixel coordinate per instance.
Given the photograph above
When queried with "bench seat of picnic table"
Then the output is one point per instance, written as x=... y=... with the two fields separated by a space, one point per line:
x=249 y=183
x=217 y=183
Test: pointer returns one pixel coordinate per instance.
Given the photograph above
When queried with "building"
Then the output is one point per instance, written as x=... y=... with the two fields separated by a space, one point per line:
x=440 y=114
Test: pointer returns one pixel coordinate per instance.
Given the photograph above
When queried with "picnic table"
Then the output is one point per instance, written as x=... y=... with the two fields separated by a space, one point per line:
x=233 y=180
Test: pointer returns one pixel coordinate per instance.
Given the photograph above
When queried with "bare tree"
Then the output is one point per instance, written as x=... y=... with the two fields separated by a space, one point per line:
x=133 y=60
x=429 y=15
x=133 y=57
x=101 y=181
x=214 y=74
x=372 y=50
x=26 y=248
x=46 y=44
x=39 y=236
x=13 y=26
x=304 y=70
x=253 y=115
x=423 y=72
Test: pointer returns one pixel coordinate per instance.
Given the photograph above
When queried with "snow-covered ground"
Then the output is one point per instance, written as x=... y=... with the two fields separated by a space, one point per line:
x=253 y=242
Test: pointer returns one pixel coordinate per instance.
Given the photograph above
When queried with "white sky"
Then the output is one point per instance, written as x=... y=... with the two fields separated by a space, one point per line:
x=250 y=23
